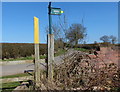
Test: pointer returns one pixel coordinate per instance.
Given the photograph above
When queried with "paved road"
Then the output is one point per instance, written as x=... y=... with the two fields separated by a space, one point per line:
x=20 y=68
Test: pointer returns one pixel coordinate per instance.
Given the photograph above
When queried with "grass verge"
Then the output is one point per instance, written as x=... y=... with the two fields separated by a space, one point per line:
x=16 y=75
x=9 y=86
x=23 y=58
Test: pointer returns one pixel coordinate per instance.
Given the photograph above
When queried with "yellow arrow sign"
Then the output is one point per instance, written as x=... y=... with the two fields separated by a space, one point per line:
x=36 y=30
x=62 y=11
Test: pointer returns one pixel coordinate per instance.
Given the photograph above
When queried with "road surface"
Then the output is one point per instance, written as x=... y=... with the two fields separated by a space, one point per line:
x=21 y=68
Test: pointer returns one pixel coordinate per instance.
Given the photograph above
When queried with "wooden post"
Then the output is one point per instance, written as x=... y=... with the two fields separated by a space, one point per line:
x=36 y=42
x=50 y=56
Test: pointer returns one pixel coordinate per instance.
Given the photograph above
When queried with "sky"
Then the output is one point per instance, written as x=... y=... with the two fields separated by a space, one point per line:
x=100 y=18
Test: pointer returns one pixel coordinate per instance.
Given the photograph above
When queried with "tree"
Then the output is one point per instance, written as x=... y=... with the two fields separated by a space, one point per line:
x=105 y=39
x=95 y=42
x=113 y=39
x=76 y=33
x=59 y=43
x=56 y=31
x=109 y=39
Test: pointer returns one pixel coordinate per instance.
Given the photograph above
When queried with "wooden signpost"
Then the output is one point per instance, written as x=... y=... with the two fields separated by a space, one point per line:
x=50 y=56
x=51 y=11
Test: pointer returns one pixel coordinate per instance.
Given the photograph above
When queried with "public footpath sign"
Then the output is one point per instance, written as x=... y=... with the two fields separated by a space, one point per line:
x=56 y=11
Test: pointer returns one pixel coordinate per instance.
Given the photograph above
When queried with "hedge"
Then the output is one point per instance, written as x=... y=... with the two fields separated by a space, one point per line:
x=17 y=50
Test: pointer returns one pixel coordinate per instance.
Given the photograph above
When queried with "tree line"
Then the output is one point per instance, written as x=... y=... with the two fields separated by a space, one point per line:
x=109 y=39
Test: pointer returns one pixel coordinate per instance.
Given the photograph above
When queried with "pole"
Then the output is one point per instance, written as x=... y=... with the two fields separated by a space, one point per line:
x=37 y=69
x=50 y=18
x=50 y=56
x=50 y=47
x=36 y=42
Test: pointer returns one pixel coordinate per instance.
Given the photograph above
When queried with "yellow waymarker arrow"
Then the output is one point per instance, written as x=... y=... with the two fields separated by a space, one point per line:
x=61 y=11
x=36 y=30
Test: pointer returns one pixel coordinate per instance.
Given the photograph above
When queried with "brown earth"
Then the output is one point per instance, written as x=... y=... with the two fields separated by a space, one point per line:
x=106 y=55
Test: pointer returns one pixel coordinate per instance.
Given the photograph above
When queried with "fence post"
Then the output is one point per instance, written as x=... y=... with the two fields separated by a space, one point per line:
x=36 y=42
x=50 y=56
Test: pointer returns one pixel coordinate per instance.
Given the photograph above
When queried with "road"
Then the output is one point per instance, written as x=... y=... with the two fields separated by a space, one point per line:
x=20 y=68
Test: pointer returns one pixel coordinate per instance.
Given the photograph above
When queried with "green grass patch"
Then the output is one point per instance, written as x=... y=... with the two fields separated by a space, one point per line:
x=16 y=75
x=60 y=52
x=9 y=86
x=42 y=57
x=12 y=85
x=81 y=49
x=23 y=58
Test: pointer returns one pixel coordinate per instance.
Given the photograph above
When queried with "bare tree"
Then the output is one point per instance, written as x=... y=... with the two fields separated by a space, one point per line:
x=109 y=39
x=56 y=31
x=105 y=38
x=113 y=39
x=64 y=26
x=76 y=33
x=62 y=31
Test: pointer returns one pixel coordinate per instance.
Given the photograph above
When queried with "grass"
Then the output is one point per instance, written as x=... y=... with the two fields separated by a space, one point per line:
x=16 y=75
x=81 y=49
x=23 y=58
x=42 y=57
x=9 y=86
x=12 y=85
x=60 y=52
